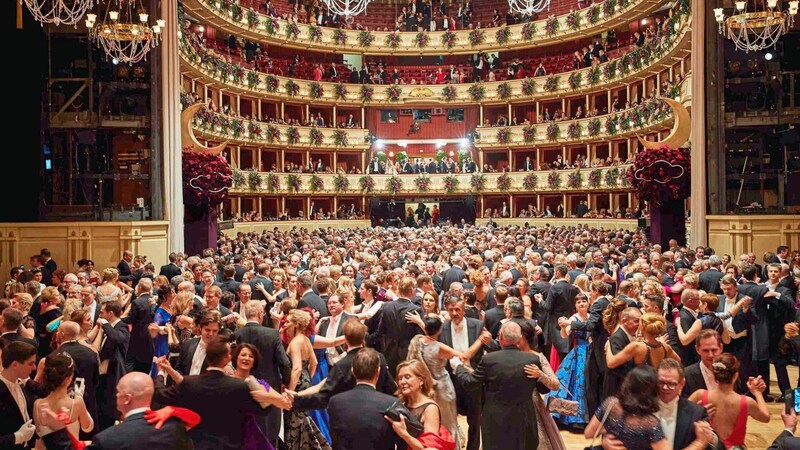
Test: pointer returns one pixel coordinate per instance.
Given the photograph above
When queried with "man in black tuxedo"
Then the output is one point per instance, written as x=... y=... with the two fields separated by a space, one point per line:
x=786 y=440
x=229 y=283
x=495 y=315
x=238 y=269
x=460 y=333
x=12 y=319
x=760 y=329
x=630 y=319
x=709 y=346
x=690 y=298
x=140 y=349
x=192 y=359
x=331 y=327
x=135 y=392
x=596 y=366
x=341 y=378
x=16 y=418
x=357 y=415
x=170 y=270
x=560 y=302
x=709 y=280
x=582 y=209
x=124 y=266
x=274 y=368
x=112 y=361
x=509 y=416
x=87 y=366
x=528 y=166
x=308 y=299
x=262 y=276
x=454 y=274
x=222 y=401
x=213 y=297
x=407 y=167
x=684 y=423
x=397 y=332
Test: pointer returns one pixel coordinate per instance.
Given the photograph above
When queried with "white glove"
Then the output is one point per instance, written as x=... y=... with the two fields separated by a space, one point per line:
x=454 y=363
x=25 y=433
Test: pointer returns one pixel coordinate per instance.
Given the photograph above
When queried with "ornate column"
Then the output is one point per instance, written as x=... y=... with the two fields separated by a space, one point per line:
x=171 y=133
x=698 y=233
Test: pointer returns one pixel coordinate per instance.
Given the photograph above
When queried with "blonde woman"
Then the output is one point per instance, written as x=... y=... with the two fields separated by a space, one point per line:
x=108 y=289
x=651 y=351
x=582 y=283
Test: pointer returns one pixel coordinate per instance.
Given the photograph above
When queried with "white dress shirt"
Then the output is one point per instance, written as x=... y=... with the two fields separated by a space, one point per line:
x=729 y=303
x=668 y=416
x=92 y=310
x=198 y=358
x=460 y=336
x=18 y=395
x=135 y=411
x=333 y=326
x=104 y=363
x=708 y=377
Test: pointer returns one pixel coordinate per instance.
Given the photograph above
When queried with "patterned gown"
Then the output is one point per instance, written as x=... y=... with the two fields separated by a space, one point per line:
x=571 y=373
x=300 y=432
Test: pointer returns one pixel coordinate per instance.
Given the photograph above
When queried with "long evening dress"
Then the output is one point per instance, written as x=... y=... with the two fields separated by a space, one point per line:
x=320 y=416
x=300 y=432
x=549 y=436
x=161 y=342
x=571 y=374
x=253 y=437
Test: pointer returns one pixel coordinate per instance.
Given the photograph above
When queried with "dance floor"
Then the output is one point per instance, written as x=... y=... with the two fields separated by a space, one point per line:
x=759 y=435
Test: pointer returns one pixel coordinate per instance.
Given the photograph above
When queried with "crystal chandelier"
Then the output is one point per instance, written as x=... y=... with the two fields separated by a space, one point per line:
x=347 y=7
x=124 y=33
x=57 y=12
x=756 y=25
x=528 y=6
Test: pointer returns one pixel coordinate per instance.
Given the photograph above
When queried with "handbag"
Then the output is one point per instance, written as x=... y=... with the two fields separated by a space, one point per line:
x=397 y=409
x=600 y=427
x=563 y=406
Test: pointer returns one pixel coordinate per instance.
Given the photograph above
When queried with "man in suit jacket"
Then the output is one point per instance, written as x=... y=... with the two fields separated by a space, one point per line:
x=87 y=366
x=509 y=416
x=262 y=276
x=222 y=401
x=709 y=280
x=631 y=317
x=709 y=346
x=596 y=366
x=134 y=432
x=16 y=427
x=192 y=359
x=397 y=332
x=170 y=270
x=341 y=378
x=274 y=368
x=460 y=333
x=454 y=274
x=124 y=266
x=112 y=361
x=357 y=415
x=308 y=299
x=229 y=283
x=560 y=302
x=690 y=298
x=786 y=440
x=760 y=329
x=495 y=315
x=331 y=327
x=12 y=319
x=140 y=349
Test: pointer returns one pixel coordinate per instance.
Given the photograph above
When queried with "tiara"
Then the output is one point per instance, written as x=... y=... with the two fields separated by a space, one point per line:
x=719 y=365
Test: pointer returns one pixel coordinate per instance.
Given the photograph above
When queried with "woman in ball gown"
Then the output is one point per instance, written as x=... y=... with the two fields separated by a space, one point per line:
x=571 y=372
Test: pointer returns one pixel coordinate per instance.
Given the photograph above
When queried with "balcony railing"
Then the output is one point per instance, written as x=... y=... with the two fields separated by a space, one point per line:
x=650 y=59
x=556 y=181
x=220 y=127
x=254 y=25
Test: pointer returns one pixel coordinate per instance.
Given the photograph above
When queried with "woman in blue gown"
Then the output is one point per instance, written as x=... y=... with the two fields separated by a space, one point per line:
x=163 y=315
x=571 y=371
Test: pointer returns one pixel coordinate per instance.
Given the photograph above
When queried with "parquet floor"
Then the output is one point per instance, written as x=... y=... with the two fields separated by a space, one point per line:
x=759 y=435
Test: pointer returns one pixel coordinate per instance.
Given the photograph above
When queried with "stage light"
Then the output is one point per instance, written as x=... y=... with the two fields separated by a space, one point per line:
x=768 y=56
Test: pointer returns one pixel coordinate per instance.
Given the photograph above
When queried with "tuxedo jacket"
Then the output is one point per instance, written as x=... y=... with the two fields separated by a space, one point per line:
x=132 y=434
x=124 y=271
x=11 y=417
x=614 y=376
x=785 y=441
x=358 y=423
x=221 y=401
x=560 y=302
x=474 y=329
x=688 y=414
x=323 y=327
x=170 y=270
x=396 y=332
x=15 y=337
x=275 y=367
x=709 y=281
x=268 y=286
x=87 y=368
x=115 y=349
x=184 y=364
x=140 y=317
x=315 y=302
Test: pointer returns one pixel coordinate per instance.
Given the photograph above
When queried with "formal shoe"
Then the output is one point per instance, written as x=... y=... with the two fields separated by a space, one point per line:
x=768 y=398
x=780 y=399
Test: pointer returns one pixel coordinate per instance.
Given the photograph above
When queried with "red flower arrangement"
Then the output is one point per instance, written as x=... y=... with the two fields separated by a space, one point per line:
x=206 y=179
x=661 y=175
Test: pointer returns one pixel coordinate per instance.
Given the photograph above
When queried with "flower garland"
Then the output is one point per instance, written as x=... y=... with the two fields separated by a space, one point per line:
x=394 y=185
x=252 y=19
x=528 y=31
x=554 y=180
x=504 y=91
x=476 y=37
x=553 y=132
x=339 y=37
x=574 y=20
x=575 y=79
x=574 y=179
x=609 y=7
x=237 y=14
x=504 y=182
x=477 y=92
x=254 y=181
x=292 y=31
x=315 y=136
x=611 y=125
x=593 y=14
x=237 y=127
x=393 y=93
x=593 y=75
x=477 y=182
x=340 y=138
x=341 y=183
x=273 y=134
x=393 y=40
x=529 y=134
x=422 y=183
x=293 y=182
x=272 y=26
x=316 y=184
x=238 y=179
x=551 y=84
x=594 y=178
x=530 y=182
x=271 y=83
x=421 y=39
x=593 y=127
x=252 y=79
x=315 y=90
x=611 y=177
x=451 y=184
x=609 y=70
x=339 y=91
x=449 y=39
x=503 y=136
x=502 y=35
x=661 y=175
x=315 y=33
x=365 y=38
x=528 y=86
x=551 y=26
x=292 y=135
x=449 y=93
x=292 y=88
x=254 y=129
x=366 y=93
x=574 y=130
x=273 y=183
x=366 y=183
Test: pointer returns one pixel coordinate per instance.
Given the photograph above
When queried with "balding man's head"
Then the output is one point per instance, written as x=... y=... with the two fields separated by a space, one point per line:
x=68 y=331
x=510 y=334
x=145 y=286
x=186 y=286
x=134 y=391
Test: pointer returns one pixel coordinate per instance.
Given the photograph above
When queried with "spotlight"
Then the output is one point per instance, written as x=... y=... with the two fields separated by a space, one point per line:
x=115 y=61
x=768 y=56
x=379 y=144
